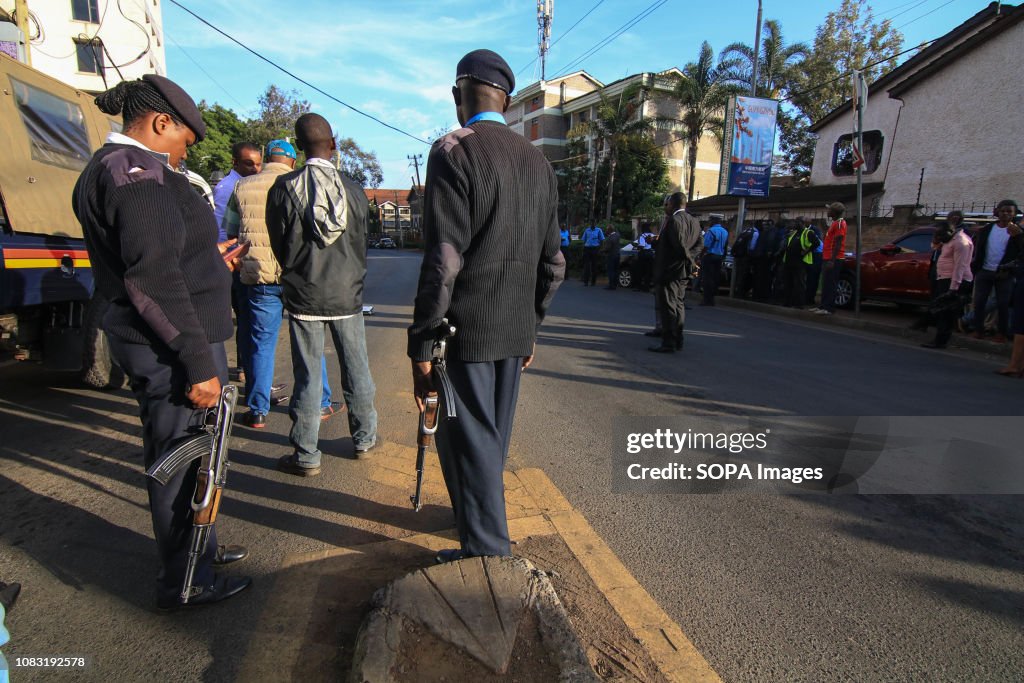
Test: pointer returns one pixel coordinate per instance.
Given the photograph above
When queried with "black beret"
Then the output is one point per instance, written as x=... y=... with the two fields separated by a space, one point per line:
x=180 y=102
x=487 y=67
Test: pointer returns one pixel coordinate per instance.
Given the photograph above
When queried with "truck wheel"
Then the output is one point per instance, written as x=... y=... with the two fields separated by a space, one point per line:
x=99 y=370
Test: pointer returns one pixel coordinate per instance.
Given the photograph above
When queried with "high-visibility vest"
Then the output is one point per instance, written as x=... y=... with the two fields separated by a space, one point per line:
x=805 y=242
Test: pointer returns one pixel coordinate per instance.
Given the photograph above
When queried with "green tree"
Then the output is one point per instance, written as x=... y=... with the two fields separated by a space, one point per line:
x=575 y=178
x=617 y=120
x=849 y=39
x=777 y=62
x=361 y=166
x=703 y=92
x=641 y=178
x=278 y=112
x=223 y=129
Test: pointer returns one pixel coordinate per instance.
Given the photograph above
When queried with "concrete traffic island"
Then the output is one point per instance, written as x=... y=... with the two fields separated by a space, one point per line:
x=489 y=619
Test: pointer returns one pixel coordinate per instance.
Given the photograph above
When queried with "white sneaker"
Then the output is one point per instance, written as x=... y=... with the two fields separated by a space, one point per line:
x=813 y=310
x=822 y=311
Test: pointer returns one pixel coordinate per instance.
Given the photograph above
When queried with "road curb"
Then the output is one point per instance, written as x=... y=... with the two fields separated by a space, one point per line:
x=845 y=321
x=674 y=654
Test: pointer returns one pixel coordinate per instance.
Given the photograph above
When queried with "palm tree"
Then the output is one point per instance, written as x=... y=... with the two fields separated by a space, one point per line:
x=776 y=63
x=616 y=120
x=703 y=93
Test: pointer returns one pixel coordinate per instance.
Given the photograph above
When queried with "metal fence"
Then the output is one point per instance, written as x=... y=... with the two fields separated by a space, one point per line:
x=969 y=208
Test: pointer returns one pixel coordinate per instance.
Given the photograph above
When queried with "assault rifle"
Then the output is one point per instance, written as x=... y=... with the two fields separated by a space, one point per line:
x=431 y=410
x=211 y=447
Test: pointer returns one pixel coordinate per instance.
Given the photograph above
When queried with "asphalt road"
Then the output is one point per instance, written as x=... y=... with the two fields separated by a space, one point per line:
x=769 y=588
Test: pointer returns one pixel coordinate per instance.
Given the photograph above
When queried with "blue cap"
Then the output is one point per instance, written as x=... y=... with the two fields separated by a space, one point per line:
x=280 y=148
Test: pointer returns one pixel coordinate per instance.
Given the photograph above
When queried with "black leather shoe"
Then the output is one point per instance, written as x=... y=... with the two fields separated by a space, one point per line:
x=363 y=450
x=9 y=594
x=932 y=345
x=255 y=420
x=662 y=349
x=223 y=587
x=653 y=333
x=226 y=554
x=449 y=555
x=289 y=464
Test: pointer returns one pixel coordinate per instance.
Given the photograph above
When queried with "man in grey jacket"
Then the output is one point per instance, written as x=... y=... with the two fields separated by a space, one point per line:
x=316 y=217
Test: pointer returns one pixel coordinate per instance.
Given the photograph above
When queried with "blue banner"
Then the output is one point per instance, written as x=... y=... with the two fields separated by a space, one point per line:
x=752 y=145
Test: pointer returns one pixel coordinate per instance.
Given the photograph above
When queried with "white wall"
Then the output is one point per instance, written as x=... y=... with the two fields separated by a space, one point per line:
x=964 y=128
x=53 y=49
x=880 y=114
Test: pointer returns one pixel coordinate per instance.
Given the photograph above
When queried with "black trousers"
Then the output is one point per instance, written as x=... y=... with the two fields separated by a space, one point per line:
x=590 y=256
x=473 y=448
x=671 y=308
x=829 y=283
x=711 y=276
x=761 y=268
x=794 y=277
x=813 y=280
x=159 y=383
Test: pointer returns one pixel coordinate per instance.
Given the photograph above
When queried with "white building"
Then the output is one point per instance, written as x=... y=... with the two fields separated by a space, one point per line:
x=94 y=44
x=942 y=129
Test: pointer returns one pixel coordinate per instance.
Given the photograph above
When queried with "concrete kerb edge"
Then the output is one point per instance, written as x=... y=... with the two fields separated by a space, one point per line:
x=859 y=324
x=672 y=652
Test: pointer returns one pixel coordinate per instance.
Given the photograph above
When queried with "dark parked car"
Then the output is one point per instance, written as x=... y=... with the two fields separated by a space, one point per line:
x=897 y=272
x=629 y=262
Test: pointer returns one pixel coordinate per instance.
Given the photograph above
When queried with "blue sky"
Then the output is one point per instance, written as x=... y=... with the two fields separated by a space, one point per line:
x=396 y=59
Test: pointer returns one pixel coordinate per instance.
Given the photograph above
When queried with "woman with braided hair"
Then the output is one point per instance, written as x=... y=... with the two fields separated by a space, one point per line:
x=155 y=257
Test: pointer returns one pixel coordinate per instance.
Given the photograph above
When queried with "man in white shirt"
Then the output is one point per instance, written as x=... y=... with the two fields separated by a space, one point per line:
x=996 y=248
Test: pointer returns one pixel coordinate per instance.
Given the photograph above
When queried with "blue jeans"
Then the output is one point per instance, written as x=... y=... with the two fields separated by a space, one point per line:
x=265 y=310
x=357 y=385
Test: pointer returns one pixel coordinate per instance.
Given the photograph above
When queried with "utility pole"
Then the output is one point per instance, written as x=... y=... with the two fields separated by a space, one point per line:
x=21 y=10
x=741 y=204
x=415 y=159
x=860 y=93
x=545 y=13
x=398 y=222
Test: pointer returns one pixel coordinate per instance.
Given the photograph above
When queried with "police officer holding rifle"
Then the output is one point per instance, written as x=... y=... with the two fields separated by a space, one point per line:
x=153 y=245
x=491 y=266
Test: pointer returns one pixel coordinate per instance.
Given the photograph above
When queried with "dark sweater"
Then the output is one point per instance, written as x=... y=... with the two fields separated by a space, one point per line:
x=491 y=263
x=153 y=245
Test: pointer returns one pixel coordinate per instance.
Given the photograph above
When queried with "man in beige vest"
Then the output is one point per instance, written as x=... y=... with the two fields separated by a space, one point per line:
x=260 y=273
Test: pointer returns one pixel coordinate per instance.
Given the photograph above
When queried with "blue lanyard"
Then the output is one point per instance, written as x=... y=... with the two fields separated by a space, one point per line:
x=486 y=116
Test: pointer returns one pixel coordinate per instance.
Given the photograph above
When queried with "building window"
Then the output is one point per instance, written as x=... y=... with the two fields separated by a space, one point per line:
x=583 y=117
x=90 y=56
x=535 y=130
x=535 y=103
x=842 y=153
x=55 y=126
x=85 y=10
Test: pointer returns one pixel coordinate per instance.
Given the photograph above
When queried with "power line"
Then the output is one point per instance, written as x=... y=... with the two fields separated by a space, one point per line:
x=950 y=2
x=534 y=60
x=913 y=7
x=200 y=67
x=299 y=79
x=611 y=37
